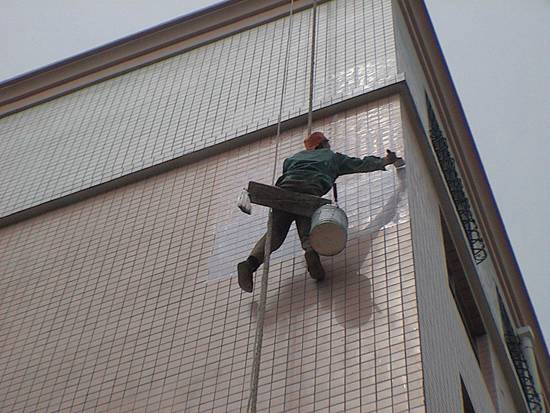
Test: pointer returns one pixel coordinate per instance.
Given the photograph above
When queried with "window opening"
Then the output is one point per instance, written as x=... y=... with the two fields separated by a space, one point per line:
x=462 y=294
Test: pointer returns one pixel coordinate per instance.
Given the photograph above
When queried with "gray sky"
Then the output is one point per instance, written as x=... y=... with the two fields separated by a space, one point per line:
x=498 y=52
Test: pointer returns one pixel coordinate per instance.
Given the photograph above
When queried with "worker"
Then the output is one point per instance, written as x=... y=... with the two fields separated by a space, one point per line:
x=311 y=171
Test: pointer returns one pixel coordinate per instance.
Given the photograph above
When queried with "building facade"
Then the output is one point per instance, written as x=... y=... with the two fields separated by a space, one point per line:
x=120 y=235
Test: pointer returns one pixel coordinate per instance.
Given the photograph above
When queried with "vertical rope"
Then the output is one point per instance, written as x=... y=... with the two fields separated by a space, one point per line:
x=312 y=67
x=252 y=400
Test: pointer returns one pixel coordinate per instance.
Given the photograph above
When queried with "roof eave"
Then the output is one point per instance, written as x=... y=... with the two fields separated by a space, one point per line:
x=143 y=48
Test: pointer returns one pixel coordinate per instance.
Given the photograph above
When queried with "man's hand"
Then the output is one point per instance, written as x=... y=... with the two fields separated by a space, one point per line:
x=390 y=157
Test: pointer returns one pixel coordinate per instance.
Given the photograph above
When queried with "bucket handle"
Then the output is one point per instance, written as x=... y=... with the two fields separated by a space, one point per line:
x=335 y=193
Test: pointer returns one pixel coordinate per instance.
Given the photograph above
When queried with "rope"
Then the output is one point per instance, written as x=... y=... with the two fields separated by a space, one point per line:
x=311 y=82
x=251 y=408
x=311 y=79
x=312 y=67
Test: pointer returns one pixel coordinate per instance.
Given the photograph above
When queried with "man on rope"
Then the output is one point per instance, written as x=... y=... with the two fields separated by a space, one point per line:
x=311 y=171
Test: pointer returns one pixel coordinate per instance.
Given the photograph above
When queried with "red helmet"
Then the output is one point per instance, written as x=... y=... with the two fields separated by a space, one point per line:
x=313 y=140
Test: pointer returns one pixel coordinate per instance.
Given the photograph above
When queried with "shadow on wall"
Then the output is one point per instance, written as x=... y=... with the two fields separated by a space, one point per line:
x=352 y=275
x=337 y=281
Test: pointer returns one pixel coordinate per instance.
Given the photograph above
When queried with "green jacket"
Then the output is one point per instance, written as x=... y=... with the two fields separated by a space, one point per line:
x=315 y=171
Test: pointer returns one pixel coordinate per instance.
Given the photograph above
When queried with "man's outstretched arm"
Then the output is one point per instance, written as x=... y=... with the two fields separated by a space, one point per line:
x=351 y=165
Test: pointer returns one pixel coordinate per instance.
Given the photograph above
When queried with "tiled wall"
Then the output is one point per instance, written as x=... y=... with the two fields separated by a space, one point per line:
x=447 y=356
x=409 y=64
x=446 y=351
x=191 y=101
x=111 y=304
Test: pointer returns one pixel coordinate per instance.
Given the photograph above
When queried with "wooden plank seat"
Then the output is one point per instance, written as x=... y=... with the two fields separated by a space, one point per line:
x=278 y=198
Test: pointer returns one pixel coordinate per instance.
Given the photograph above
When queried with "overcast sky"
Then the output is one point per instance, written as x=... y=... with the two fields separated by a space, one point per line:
x=498 y=52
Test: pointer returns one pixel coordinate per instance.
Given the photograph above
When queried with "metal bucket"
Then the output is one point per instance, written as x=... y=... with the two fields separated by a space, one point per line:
x=329 y=230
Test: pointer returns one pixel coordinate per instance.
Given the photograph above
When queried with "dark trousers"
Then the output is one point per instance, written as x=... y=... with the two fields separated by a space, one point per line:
x=281 y=224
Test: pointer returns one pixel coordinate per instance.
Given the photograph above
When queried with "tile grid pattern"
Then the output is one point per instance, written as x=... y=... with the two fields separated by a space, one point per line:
x=191 y=101
x=446 y=349
x=108 y=305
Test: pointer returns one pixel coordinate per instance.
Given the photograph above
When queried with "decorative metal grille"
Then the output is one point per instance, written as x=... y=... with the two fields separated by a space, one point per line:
x=454 y=183
x=513 y=342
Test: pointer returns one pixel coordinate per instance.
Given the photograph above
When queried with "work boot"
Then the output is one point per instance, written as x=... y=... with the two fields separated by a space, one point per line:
x=246 y=269
x=314 y=266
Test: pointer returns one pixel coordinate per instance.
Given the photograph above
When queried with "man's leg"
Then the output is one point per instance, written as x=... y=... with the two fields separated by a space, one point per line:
x=281 y=224
x=314 y=266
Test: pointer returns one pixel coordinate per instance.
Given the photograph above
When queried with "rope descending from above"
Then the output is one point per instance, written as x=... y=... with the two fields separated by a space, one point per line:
x=252 y=400
x=312 y=68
